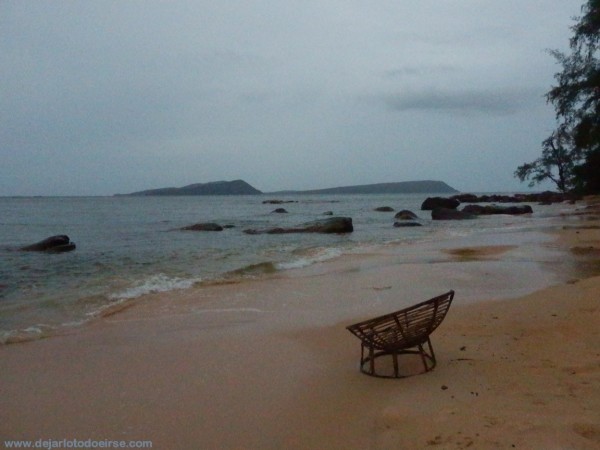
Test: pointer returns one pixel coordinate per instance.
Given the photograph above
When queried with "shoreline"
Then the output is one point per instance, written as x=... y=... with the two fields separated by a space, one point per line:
x=318 y=259
x=40 y=301
x=268 y=363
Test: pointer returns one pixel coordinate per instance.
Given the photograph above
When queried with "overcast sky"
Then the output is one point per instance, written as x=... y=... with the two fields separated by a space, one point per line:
x=103 y=97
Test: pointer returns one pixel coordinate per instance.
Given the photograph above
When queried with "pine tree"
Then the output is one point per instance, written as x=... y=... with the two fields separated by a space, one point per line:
x=571 y=155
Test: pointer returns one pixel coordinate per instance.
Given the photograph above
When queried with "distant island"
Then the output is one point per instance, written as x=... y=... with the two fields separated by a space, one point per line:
x=235 y=187
x=402 y=187
x=240 y=187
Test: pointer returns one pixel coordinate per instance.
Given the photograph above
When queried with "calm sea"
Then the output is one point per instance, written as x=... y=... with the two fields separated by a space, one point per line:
x=131 y=246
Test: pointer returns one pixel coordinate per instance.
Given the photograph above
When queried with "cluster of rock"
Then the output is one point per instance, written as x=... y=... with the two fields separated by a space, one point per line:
x=480 y=210
x=336 y=225
x=446 y=208
x=331 y=225
x=546 y=197
x=441 y=209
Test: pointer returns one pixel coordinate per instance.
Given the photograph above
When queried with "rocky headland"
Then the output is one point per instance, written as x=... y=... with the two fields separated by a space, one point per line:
x=241 y=187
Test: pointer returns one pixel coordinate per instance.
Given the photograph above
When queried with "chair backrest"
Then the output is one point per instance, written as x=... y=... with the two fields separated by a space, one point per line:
x=404 y=328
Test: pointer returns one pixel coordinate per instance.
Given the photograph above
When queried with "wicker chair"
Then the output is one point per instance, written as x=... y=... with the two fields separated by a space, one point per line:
x=401 y=332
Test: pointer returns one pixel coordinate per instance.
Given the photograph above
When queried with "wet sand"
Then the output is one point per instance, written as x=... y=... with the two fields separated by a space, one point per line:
x=268 y=364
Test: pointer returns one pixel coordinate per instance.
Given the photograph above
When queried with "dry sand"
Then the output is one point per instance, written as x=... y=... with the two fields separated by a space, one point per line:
x=268 y=364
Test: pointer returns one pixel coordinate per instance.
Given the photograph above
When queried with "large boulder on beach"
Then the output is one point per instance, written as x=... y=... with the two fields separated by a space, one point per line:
x=53 y=244
x=432 y=203
x=481 y=210
x=331 y=225
x=450 y=214
x=405 y=214
x=203 y=227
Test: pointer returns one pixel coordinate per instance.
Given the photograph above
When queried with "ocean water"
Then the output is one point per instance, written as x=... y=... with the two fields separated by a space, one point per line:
x=131 y=246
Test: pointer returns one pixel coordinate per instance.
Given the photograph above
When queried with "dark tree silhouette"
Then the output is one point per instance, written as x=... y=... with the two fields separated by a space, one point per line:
x=571 y=154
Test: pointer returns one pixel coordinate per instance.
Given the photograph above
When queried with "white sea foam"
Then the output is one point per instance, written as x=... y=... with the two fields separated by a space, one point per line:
x=127 y=238
x=23 y=335
x=230 y=310
x=156 y=283
x=321 y=256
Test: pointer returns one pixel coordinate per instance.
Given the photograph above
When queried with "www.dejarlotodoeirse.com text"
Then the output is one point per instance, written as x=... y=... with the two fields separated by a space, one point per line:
x=76 y=443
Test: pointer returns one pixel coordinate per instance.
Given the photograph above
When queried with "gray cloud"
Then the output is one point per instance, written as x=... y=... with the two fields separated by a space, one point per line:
x=416 y=71
x=493 y=102
x=113 y=96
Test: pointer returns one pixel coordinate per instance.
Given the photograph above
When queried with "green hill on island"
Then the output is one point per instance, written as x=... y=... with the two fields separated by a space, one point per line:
x=240 y=187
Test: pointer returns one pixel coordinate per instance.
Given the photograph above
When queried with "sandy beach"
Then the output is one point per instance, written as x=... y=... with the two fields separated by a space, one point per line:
x=268 y=364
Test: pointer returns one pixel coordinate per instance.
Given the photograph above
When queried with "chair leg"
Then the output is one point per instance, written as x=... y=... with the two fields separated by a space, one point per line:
x=362 y=355
x=368 y=355
x=423 y=356
x=427 y=355
x=431 y=351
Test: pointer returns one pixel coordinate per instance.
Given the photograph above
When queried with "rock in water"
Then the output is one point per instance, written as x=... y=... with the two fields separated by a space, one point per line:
x=405 y=224
x=384 y=209
x=432 y=203
x=204 y=227
x=278 y=202
x=545 y=197
x=53 y=244
x=450 y=214
x=405 y=214
x=495 y=209
x=332 y=225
